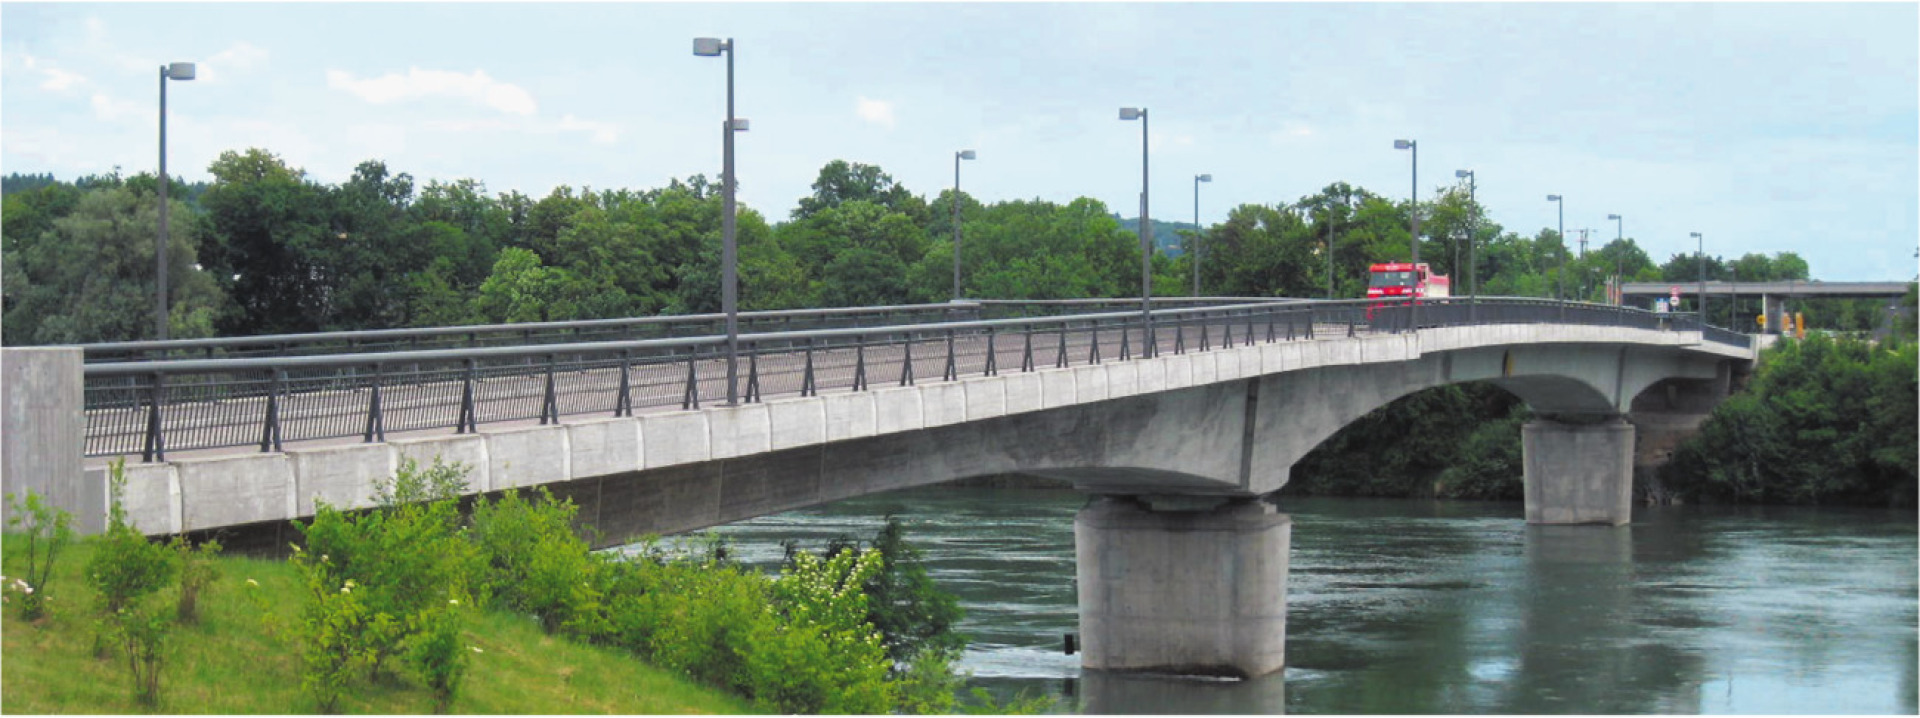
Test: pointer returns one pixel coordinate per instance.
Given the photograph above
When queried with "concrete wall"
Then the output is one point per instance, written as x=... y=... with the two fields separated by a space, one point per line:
x=1578 y=473
x=43 y=432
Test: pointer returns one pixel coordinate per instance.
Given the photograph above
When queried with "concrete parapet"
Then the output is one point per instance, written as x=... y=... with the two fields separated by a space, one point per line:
x=898 y=409
x=986 y=397
x=1204 y=368
x=1023 y=392
x=739 y=430
x=1056 y=388
x=597 y=447
x=850 y=415
x=1123 y=379
x=1179 y=373
x=342 y=476
x=678 y=437
x=43 y=433
x=943 y=403
x=233 y=490
x=1089 y=383
x=796 y=422
x=151 y=497
x=468 y=449
x=1182 y=592
x=527 y=456
x=1151 y=375
x=1578 y=473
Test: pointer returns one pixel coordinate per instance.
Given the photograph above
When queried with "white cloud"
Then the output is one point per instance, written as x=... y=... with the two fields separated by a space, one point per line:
x=113 y=110
x=238 y=58
x=477 y=87
x=603 y=132
x=879 y=112
x=60 y=80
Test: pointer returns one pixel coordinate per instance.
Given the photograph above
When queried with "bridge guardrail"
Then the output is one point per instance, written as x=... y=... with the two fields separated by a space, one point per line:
x=151 y=407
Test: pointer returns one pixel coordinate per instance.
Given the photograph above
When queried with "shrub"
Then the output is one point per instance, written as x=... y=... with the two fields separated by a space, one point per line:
x=822 y=656
x=330 y=626
x=125 y=565
x=436 y=652
x=45 y=530
x=142 y=637
x=536 y=564
x=196 y=573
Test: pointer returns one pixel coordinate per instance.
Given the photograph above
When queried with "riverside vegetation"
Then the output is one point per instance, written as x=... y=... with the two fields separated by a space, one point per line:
x=413 y=606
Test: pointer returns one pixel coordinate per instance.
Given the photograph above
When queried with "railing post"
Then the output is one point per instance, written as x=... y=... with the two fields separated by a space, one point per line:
x=906 y=367
x=549 y=402
x=690 y=397
x=806 y=378
x=753 y=373
x=860 y=362
x=1205 y=341
x=156 y=441
x=1309 y=324
x=1226 y=333
x=1249 y=334
x=1093 y=349
x=993 y=358
x=376 y=419
x=1026 y=350
x=468 y=421
x=1180 y=337
x=622 y=403
x=953 y=372
x=1060 y=357
x=270 y=428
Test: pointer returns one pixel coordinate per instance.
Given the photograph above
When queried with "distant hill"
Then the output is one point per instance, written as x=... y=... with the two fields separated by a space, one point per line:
x=1166 y=235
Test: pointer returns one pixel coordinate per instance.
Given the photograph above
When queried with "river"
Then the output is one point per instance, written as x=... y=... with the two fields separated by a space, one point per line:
x=1419 y=606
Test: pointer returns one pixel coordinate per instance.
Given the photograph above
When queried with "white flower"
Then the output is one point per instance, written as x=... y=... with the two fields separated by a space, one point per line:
x=346 y=589
x=251 y=582
x=453 y=602
x=27 y=590
x=476 y=649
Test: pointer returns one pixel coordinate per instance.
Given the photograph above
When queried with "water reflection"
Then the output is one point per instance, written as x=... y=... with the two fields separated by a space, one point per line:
x=1453 y=607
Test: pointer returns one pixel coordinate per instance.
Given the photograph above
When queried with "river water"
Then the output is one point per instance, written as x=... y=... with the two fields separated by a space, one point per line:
x=1418 y=606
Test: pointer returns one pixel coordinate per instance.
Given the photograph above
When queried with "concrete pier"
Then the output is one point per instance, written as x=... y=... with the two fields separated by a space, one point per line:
x=1578 y=473
x=1199 y=592
x=43 y=430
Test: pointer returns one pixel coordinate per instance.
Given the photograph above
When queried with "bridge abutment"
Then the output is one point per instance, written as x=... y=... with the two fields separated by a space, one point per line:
x=1182 y=592
x=1578 y=473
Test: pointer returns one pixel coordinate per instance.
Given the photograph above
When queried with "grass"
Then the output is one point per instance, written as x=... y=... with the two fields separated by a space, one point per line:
x=239 y=659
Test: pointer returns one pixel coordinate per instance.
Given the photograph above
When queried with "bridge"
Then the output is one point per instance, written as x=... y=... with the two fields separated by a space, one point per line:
x=1181 y=423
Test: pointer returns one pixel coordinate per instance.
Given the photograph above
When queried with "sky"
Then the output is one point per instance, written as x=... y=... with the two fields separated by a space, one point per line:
x=1765 y=127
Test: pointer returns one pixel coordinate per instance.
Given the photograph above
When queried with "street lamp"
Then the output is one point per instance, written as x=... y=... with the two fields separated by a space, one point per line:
x=1146 y=235
x=1561 y=239
x=1700 y=251
x=729 y=278
x=957 y=156
x=1414 y=210
x=1197 y=179
x=177 y=71
x=1473 y=225
x=1619 y=257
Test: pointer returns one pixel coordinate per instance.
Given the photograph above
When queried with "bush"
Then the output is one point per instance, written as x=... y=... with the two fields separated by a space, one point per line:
x=536 y=564
x=437 y=653
x=44 y=531
x=125 y=565
x=823 y=656
x=142 y=637
x=196 y=573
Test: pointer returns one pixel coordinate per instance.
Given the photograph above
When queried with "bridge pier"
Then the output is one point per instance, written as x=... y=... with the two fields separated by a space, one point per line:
x=1578 y=473
x=1201 y=592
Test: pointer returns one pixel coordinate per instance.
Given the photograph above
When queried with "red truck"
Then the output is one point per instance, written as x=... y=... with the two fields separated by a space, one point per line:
x=1399 y=280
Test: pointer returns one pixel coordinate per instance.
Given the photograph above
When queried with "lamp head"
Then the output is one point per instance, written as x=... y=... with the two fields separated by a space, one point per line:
x=180 y=71
x=1462 y=174
x=1553 y=198
x=1403 y=144
x=964 y=154
x=710 y=46
x=1132 y=113
x=1203 y=178
x=1695 y=235
x=1613 y=216
x=740 y=124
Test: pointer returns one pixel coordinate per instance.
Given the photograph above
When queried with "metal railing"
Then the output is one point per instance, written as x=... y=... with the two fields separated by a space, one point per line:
x=155 y=406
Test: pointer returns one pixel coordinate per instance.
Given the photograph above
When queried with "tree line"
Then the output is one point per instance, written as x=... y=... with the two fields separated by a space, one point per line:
x=263 y=248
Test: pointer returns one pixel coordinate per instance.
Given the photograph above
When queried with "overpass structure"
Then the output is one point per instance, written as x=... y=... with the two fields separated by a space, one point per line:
x=1772 y=294
x=1181 y=425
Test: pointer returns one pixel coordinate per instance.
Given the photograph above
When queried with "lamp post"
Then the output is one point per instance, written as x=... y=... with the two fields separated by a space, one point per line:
x=1619 y=258
x=1473 y=225
x=957 y=156
x=1700 y=251
x=1197 y=179
x=1332 y=218
x=176 y=71
x=1414 y=210
x=1146 y=236
x=1561 y=239
x=729 y=278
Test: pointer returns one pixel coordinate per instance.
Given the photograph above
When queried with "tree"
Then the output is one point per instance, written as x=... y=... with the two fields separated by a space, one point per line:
x=841 y=182
x=89 y=276
x=265 y=236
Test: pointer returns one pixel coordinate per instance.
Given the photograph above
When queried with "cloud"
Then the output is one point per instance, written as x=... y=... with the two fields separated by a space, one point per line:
x=52 y=78
x=600 y=132
x=603 y=132
x=879 y=112
x=394 y=87
x=238 y=58
x=113 y=110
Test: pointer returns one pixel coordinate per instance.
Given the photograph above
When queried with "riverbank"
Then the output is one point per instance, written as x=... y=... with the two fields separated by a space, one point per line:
x=241 y=658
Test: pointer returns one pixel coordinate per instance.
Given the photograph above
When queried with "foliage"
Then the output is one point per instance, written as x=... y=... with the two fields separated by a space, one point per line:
x=126 y=565
x=196 y=574
x=142 y=637
x=536 y=564
x=437 y=652
x=47 y=529
x=1430 y=443
x=823 y=656
x=1822 y=421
